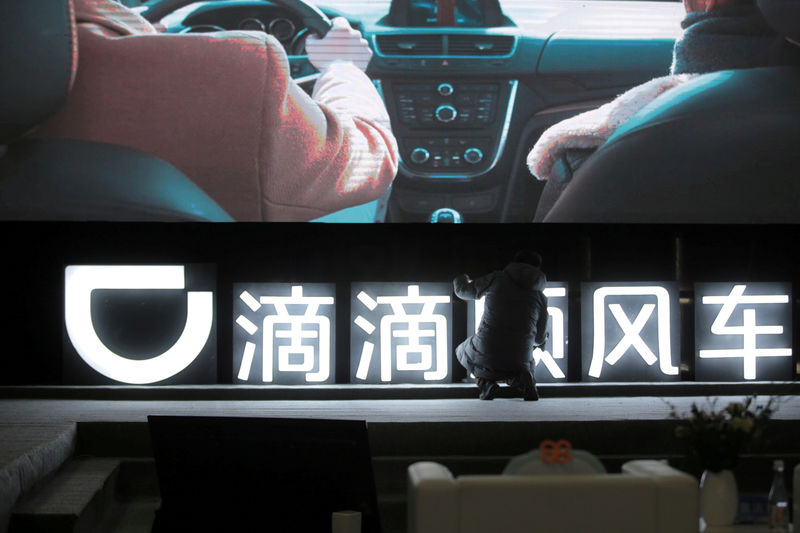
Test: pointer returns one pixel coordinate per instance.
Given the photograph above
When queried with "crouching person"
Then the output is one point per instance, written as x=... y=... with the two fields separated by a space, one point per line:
x=514 y=322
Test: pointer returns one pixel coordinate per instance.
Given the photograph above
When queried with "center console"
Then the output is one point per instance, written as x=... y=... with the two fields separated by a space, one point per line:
x=449 y=128
x=449 y=112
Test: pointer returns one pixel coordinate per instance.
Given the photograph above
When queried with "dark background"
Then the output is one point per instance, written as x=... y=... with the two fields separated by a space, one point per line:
x=35 y=254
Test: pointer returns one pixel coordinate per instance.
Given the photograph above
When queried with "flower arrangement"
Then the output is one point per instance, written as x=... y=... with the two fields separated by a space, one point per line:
x=716 y=437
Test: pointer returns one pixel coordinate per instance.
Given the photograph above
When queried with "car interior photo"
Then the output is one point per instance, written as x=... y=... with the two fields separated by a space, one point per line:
x=469 y=89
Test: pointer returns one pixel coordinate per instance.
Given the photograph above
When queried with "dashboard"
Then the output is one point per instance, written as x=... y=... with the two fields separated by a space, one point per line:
x=468 y=99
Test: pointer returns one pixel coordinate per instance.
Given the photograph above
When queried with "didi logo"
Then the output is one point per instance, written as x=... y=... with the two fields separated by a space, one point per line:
x=79 y=283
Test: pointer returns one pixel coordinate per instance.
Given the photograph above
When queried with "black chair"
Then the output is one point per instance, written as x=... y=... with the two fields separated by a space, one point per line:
x=63 y=179
x=722 y=148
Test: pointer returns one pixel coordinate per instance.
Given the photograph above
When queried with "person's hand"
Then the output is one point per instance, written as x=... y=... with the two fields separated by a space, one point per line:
x=342 y=43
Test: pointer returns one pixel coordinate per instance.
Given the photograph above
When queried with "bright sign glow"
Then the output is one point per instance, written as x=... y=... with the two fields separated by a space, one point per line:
x=79 y=283
x=554 y=357
x=732 y=344
x=637 y=320
x=291 y=326
x=400 y=332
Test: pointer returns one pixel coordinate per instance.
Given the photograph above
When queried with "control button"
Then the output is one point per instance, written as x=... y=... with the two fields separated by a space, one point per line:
x=469 y=99
x=445 y=89
x=473 y=156
x=420 y=155
x=446 y=113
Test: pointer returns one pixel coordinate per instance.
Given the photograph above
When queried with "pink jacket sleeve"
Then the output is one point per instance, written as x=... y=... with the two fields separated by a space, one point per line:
x=223 y=109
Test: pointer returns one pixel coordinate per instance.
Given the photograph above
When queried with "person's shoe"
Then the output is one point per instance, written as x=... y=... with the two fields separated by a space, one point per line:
x=488 y=388
x=524 y=386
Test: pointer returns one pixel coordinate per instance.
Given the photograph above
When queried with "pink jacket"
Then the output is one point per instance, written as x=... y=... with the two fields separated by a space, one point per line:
x=223 y=109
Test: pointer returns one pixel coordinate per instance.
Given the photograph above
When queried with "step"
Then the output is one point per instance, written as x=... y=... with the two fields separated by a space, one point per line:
x=79 y=498
x=29 y=454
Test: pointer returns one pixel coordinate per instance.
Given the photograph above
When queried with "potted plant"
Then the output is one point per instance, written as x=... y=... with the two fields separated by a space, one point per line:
x=715 y=438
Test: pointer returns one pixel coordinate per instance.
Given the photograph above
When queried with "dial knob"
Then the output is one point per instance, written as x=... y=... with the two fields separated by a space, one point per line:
x=473 y=156
x=445 y=89
x=420 y=155
x=446 y=113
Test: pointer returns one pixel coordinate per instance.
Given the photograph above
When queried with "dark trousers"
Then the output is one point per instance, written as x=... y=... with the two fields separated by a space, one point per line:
x=481 y=367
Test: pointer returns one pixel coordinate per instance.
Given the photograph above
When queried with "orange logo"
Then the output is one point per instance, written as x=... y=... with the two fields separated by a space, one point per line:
x=555 y=452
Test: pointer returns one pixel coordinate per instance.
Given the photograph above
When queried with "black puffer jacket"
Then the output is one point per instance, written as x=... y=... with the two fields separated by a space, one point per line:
x=514 y=318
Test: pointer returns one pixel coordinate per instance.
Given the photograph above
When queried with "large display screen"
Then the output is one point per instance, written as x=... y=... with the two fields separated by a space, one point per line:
x=481 y=98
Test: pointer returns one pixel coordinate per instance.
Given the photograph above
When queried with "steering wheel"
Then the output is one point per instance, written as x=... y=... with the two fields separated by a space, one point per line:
x=313 y=19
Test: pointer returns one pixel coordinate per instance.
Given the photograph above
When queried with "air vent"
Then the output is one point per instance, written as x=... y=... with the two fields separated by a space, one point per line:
x=479 y=45
x=410 y=45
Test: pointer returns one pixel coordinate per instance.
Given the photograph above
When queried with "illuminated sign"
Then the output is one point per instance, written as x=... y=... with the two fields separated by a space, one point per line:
x=551 y=363
x=138 y=324
x=743 y=331
x=284 y=333
x=400 y=332
x=630 y=331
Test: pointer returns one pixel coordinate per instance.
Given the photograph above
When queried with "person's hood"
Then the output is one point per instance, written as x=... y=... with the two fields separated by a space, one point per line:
x=526 y=276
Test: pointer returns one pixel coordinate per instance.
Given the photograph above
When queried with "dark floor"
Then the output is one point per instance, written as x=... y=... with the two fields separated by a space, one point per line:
x=466 y=434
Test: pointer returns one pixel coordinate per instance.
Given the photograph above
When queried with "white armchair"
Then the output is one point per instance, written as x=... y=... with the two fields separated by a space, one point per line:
x=647 y=497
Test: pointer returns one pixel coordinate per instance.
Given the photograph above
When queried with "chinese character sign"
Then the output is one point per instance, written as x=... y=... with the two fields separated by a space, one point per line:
x=743 y=331
x=284 y=333
x=630 y=331
x=400 y=332
x=551 y=362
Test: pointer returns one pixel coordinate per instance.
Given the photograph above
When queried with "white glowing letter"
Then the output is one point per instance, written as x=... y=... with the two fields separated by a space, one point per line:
x=432 y=359
x=749 y=330
x=297 y=356
x=633 y=329
x=81 y=280
x=414 y=334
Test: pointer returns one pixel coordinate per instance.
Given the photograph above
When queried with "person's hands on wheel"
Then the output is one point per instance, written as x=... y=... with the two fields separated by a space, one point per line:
x=342 y=43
